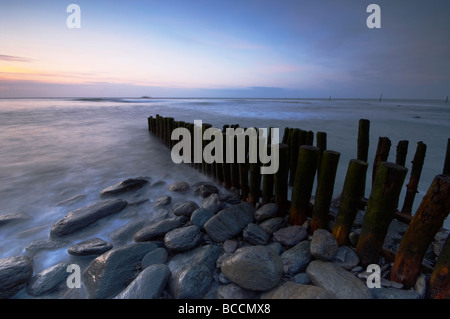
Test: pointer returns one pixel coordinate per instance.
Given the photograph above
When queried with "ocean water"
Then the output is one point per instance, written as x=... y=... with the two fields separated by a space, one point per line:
x=58 y=154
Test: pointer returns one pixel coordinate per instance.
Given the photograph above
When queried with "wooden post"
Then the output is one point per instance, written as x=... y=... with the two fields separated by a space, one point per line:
x=149 y=122
x=324 y=190
x=321 y=143
x=226 y=167
x=309 y=138
x=243 y=171
x=382 y=154
x=254 y=177
x=446 y=170
x=416 y=170
x=381 y=208
x=363 y=140
x=281 y=180
x=267 y=183
x=426 y=222
x=285 y=136
x=235 y=167
x=350 y=200
x=402 y=150
x=303 y=184
x=293 y=154
x=440 y=278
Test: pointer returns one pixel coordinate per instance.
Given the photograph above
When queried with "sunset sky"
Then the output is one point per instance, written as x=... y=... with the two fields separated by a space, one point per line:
x=217 y=48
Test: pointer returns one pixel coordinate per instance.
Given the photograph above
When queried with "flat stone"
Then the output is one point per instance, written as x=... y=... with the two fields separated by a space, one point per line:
x=193 y=282
x=301 y=278
x=273 y=224
x=158 y=229
x=108 y=274
x=230 y=245
x=205 y=189
x=185 y=208
x=200 y=216
x=346 y=257
x=15 y=272
x=233 y=291
x=13 y=218
x=162 y=201
x=229 y=222
x=323 y=245
x=266 y=211
x=48 y=280
x=157 y=256
x=85 y=216
x=149 y=284
x=38 y=245
x=255 y=234
x=94 y=246
x=212 y=203
x=292 y=290
x=336 y=280
x=290 y=235
x=184 y=238
x=179 y=187
x=256 y=268
x=125 y=186
x=296 y=258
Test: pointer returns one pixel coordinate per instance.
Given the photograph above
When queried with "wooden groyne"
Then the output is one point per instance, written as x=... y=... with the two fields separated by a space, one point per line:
x=301 y=164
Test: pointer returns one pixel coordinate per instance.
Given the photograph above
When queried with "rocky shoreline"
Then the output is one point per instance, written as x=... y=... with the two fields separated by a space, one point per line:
x=214 y=247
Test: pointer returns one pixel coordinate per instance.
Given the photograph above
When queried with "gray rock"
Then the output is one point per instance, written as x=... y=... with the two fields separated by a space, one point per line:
x=205 y=189
x=323 y=245
x=354 y=237
x=292 y=290
x=185 y=208
x=393 y=293
x=13 y=218
x=162 y=201
x=346 y=257
x=15 y=272
x=193 y=282
x=149 y=284
x=301 y=278
x=38 y=245
x=336 y=280
x=255 y=268
x=296 y=258
x=184 y=238
x=84 y=216
x=125 y=233
x=158 y=229
x=277 y=247
x=109 y=273
x=290 y=235
x=157 y=256
x=438 y=243
x=229 y=222
x=266 y=211
x=394 y=235
x=48 y=280
x=255 y=234
x=125 y=186
x=179 y=187
x=212 y=203
x=230 y=245
x=421 y=285
x=233 y=291
x=94 y=246
x=200 y=216
x=273 y=224
x=223 y=280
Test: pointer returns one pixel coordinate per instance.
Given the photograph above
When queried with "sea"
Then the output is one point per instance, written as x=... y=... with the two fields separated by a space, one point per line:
x=58 y=154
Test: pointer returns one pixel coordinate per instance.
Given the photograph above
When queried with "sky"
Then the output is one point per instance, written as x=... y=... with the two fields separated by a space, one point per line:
x=232 y=48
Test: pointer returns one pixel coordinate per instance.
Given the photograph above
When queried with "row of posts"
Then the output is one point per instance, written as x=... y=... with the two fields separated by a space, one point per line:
x=300 y=162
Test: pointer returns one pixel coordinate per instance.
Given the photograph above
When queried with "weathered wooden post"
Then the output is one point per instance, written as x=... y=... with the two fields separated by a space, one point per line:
x=303 y=184
x=321 y=143
x=426 y=222
x=324 y=190
x=226 y=167
x=255 y=177
x=293 y=154
x=235 y=166
x=309 y=138
x=439 y=287
x=381 y=208
x=446 y=170
x=350 y=200
x=416 y=170
x=382 y=154
x=285 y=136
x=149 y=122
x=243 y=171
x=402 y=150
x=281 y=180
x=267 y=182
x=363 y=140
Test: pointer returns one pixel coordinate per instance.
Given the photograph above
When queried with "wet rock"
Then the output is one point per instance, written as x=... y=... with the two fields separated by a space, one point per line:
x=273 y=224
x=15 y=272
x=125 y=186
x=296 y=258
x=301 y=278
x=157 y=256
x=421 y=285
x=184 y=238
x=13 y=218
x=94 y=246
x=212 y=203
x=323 y=245
x=266 y=211
x=200 y=216
x=192 y=283
x=72 y=200
x=346 y=257
x=162 y=201
x=109 y=273
x=233 y=291
x=336 y=280
x=255 y=234
x=38 y=245
x=230 y=245
x=205 y=189
x=48 y=280
x=149 y=284
x=185 y=208
x=179 y=187
x=229 y=222
x=158 y=229
x=292 y=290
x=439 y=241
x=256 y=268
x=125 y=233
x=393 y=293
x=290 y=235
x=84 y=216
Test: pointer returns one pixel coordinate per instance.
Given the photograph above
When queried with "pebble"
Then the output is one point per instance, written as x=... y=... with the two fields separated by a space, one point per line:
x=290 y=235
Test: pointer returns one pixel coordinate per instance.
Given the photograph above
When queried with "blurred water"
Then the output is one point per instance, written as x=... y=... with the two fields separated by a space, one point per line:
x=56 y=149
